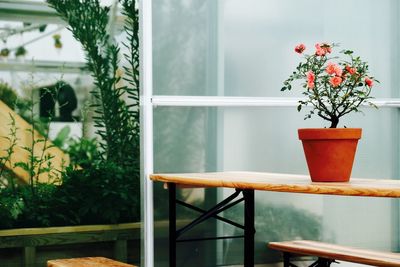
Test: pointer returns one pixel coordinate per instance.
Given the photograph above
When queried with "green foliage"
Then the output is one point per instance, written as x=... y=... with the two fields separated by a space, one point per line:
x=105 y=186
x=84 y=152
x=116 y=106
x=10 y=208
x=115 y=120
x=36 y=208
x=101 y=194
x=62 y=137
x=6 y=176
x=10 y=202
x=332 y=87
x=8 y=95
x=5 y=52
x=24 y=205
x=20 y=52
x=38 y=163
x=13 y=101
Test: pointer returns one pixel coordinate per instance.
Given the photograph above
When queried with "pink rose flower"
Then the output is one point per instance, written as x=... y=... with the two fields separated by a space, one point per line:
x=333 y=68
x=310 y=79
x=322 y=49
x=335 y=81
x=300 y=48
x=369 y=82
x=327 y=48
x=350 y=70
x=319 y=51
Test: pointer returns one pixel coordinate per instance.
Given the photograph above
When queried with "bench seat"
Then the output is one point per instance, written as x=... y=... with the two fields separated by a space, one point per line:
x=333 y=252
x=87 y=262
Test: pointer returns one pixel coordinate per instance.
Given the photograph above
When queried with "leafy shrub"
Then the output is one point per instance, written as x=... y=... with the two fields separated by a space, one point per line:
x=105 y=187
x=36 y=209
x=83 y=152
x=8 y=95
x=10 y=208
x=97 y=195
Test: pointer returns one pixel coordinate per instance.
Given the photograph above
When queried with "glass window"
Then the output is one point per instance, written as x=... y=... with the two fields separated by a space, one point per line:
x=246 y=48
x=258 y=139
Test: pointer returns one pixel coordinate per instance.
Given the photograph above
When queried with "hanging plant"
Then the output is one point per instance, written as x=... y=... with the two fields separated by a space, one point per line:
x=20 y=52
x=42 y=28
x=5 y=52
x=57 y=41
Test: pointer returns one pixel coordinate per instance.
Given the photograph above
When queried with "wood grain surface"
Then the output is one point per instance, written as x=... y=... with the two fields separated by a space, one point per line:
x=279 y=182
x=87 y=262
x=343 y=253
x=36 y=237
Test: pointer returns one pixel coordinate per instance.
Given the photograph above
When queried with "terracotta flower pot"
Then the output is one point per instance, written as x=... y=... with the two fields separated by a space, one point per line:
x=330 y=152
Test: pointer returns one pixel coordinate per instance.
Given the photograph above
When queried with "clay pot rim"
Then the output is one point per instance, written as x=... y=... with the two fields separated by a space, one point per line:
x=329 y=133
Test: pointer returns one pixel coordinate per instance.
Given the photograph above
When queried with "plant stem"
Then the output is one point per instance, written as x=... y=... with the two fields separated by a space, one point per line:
x=334 y=122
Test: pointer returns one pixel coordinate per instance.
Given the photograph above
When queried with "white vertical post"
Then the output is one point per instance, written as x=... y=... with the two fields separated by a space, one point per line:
x=146 y=108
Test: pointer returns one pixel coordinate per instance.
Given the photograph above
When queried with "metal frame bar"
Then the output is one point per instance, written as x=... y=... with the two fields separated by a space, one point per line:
x=187 y=205
x=210 y=213
x=232 y=101
x=230 y=201
x=209 y=238
x=29 y=11
x=172 y=224
x=320 y=262
x=146 y=113
x=249 y=230
x=43 y=66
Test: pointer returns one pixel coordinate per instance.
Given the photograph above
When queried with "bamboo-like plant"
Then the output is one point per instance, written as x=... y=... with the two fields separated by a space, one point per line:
x=117 y=121
x=116 y=106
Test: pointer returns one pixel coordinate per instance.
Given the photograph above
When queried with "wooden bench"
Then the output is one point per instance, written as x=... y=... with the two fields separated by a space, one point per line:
x=328 y=253
x=87 y=262
x=29 y=239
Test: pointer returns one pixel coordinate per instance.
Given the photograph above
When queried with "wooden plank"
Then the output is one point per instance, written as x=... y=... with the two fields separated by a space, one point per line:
x=69 y=238
x=25 y=140
x=120 y=250
x=16 y=238
x=68 y=229
x=87 y=262
x=342 y=253
x=29 y=256
x=279 y=182
x=68 y=235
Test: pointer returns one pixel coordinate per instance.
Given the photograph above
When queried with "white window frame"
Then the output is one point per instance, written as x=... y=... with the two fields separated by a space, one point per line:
x=149 y=101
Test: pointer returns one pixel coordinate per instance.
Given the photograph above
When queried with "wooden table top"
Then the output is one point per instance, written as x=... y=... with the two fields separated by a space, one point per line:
x=87 y=262
x=337 y=252
x=279 y=182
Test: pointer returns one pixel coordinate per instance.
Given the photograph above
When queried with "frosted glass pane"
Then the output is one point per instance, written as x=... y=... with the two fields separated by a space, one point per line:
x=245 y=48
x=265 y=139
x=259 y=38
x=183 y=143
x=180 y=47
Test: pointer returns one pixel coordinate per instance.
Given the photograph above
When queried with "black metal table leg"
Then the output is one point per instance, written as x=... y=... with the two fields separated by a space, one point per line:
x=249 y=230
x=172 y=224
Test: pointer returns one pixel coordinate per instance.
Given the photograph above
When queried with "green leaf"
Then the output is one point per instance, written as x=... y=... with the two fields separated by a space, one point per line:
x=62 y=136
x=299 y=108
x=22 y=165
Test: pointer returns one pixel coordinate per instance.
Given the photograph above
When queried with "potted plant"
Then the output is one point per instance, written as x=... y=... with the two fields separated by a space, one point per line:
x=333 y=86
